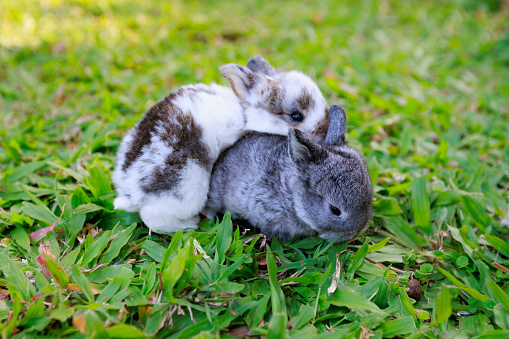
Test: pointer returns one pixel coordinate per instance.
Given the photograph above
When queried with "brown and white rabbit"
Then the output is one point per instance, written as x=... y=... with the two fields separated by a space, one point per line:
x=163 y=165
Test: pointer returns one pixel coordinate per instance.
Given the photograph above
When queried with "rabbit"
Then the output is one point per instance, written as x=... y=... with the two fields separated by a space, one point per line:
x=292 y=186
x=164 y=163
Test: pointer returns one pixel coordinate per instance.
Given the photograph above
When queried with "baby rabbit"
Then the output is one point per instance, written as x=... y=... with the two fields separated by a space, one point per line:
x=163 y=165
x=293 y=186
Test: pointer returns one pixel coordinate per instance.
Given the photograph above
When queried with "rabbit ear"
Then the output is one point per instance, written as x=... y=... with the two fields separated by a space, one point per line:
x=241 y=79
x=337 y=126
x=302 y=149
x=259 y=65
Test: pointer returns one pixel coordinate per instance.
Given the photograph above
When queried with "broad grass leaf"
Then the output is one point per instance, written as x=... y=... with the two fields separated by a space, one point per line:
x=469 y=236
x=277 y=296
x=149 y=280
x=82 y=281
x=120 y=240
x=124 y=331
x=15 y=276
x=374 y=168
x=94 y=325
x=96 y=248
x=233 y=267
x=57 y=272
x=494 y=334
x=70 y=258
x=277 y=326
x=35 y=309
x=476 y=211
x=79 y=198
x=77 y=176
x=442 y=307
x=456 y=234
x=174 y=244
x=371 y=286
x=382 y=295
x=352 y=300
x=154 y=250
x=498 y=293
x=357 y=260
x=223 y=238
x=102 y=275
x=87 y=208
x=109 y=291
x=402 y=230
x=498 y=244
x=38 y=213
x=406 y=303
x=501 y=315
x=260 y=310
x=420 y=205
x=22 y=171
x=325 y=275
x=229 y=287
x=386 y=207
x=97 y=181
x=397 y=327
x=379 y=245
x=175 y=269
x=135 y=297
x=473 y=292
x=305 y=315
x=21 y=237
x=62 y=312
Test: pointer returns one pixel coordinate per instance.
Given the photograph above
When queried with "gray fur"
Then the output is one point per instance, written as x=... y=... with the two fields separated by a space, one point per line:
x=259 y=65
x=286 y=185
x=337 y=126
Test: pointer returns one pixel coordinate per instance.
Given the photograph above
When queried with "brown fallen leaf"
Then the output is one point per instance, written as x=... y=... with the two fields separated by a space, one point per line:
x=4 y=242
x=500 y=267
x=79 y=322
x=95 y=268
x=4 y=294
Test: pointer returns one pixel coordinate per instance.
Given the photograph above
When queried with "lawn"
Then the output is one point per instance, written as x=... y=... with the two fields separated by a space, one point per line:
x=426 y=89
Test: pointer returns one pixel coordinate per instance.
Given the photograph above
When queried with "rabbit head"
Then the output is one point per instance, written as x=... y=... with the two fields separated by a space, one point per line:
x=275 y=101
x=335 y=198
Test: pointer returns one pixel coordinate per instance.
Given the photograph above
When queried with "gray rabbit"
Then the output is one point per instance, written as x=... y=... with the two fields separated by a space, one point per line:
x=292 y=186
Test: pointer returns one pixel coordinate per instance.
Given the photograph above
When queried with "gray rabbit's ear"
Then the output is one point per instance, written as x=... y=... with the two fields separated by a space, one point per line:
x=259 y=65
x=302 y=149
x=240 y=78
x=337 y=126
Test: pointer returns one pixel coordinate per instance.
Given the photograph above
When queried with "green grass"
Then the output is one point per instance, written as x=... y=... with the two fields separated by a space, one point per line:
x=426 y=88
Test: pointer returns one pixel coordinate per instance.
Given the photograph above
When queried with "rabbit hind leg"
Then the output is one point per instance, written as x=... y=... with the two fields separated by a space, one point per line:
x=166 y=220
x=179 y=210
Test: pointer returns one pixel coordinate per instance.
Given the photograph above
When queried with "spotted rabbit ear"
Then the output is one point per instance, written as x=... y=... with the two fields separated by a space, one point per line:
x=337 y=126
x=240 y=78
x=259 y=65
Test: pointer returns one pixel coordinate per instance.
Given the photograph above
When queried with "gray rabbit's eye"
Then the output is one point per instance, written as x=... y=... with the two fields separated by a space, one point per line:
x=297 y=116
x=335 y=210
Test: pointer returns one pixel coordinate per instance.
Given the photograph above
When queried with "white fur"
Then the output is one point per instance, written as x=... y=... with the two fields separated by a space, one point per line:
x=166 y=213
x=223 y=120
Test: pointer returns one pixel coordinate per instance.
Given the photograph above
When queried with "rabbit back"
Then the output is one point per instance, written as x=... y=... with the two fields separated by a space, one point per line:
x=256 y=179
x=177 y=133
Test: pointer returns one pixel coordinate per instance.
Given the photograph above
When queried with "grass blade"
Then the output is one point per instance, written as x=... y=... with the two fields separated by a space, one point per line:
x=420 y=205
